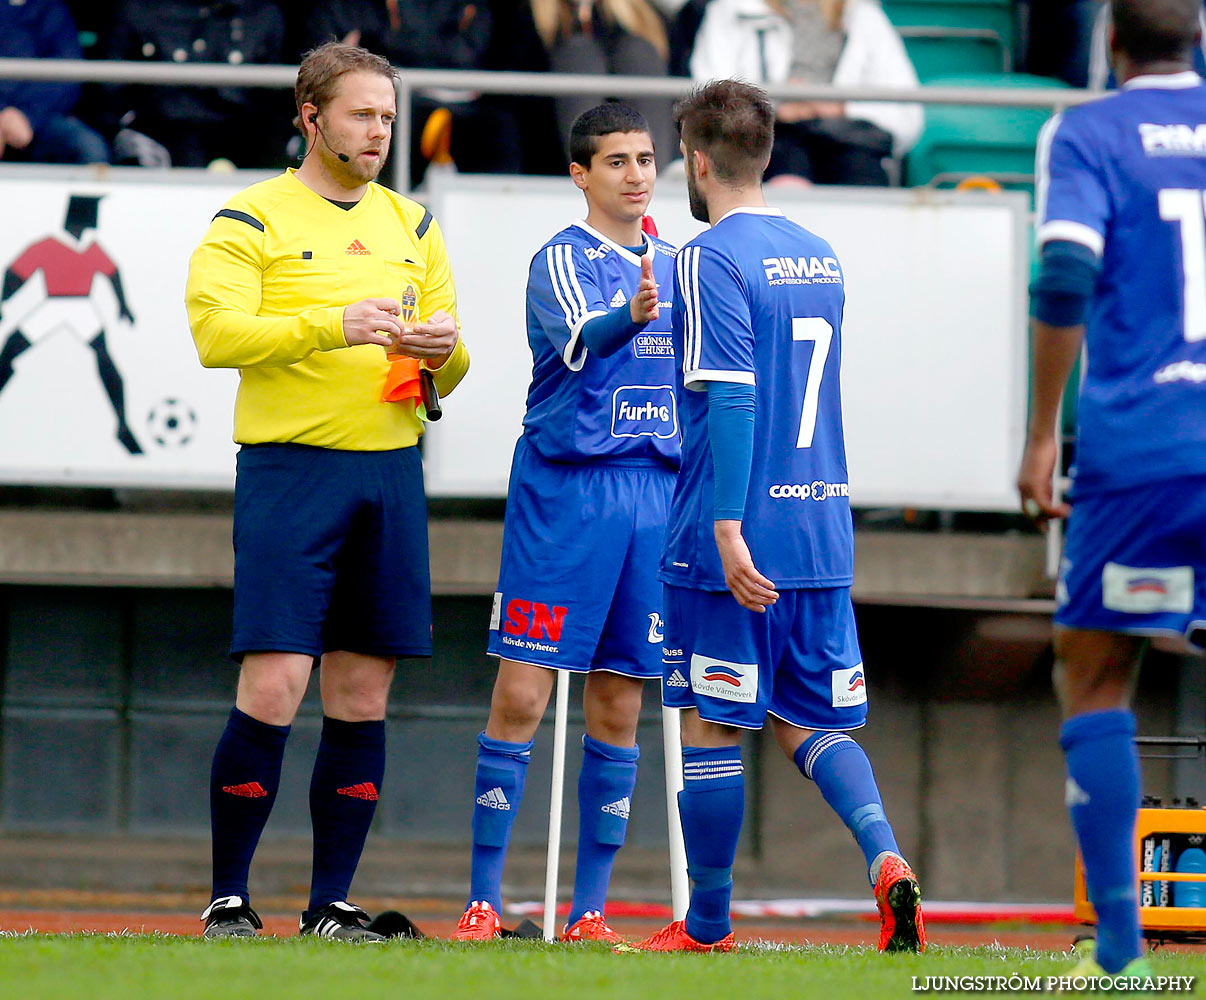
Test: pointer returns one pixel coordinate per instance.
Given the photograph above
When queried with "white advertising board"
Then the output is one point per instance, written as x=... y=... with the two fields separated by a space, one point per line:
x=69 y=241
x=934 y=337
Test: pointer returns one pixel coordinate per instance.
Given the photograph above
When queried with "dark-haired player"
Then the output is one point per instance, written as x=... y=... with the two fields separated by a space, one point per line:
x=1122 y=231
x=759 y=551
x=586 y=507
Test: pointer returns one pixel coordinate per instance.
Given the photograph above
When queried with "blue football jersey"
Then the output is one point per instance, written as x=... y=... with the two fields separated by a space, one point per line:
x=1126 y=177
x=758 y=300
x=583 y=408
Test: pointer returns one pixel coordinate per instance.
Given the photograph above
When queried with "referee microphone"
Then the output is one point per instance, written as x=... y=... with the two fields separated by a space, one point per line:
x=318 y=129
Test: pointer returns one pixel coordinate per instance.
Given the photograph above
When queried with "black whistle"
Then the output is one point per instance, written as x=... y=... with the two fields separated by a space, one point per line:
x=429 y=395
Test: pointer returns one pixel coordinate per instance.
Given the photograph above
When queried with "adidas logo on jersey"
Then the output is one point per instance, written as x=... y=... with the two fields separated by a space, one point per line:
x=618 y=299
x=618 y=808
x=494 y=799
x=356 y=247
x=677 y=680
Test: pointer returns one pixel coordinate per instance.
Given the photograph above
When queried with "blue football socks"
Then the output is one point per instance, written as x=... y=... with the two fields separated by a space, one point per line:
x=842 y=772
x=605 y=786
x=344 y=789
x=497 y=792
x=242 y=787
x=712 y=806
x=1102 y=796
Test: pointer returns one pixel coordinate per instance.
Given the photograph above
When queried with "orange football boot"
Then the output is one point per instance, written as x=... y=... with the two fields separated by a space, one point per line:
x=898 y=896
x=478 y=923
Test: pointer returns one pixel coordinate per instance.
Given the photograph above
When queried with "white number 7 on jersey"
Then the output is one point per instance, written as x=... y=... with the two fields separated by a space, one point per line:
x=819 y=331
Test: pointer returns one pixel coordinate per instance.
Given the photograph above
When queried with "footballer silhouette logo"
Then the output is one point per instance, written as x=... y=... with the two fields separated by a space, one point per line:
x=52 y=286
x=172 y=423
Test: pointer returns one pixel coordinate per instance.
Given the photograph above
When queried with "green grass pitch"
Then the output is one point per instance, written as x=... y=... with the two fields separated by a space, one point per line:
x=99 y=967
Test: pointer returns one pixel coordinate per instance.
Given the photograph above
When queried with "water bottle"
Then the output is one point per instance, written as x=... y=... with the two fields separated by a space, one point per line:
x=1192 y=859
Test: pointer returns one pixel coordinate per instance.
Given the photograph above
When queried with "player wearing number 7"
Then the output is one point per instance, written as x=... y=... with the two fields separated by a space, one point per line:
x=1122 y=232
x=759 y=550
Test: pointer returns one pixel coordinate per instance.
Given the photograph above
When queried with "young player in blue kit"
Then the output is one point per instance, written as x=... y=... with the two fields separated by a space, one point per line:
x=1122 y=231
x=758 y=306
x=586 y=508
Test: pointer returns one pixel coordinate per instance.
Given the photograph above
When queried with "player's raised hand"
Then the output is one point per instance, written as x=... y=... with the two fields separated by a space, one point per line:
x=371 y=321
x=750 y=588
x=643 y=306
x=433 y=339
x=1035 y=478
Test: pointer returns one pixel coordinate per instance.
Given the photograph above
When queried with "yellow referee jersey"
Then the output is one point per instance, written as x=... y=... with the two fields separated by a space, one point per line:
x=266 y=292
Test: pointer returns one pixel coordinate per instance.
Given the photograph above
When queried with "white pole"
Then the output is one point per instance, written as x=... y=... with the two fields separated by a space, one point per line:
x=560 y=721
x=672 y=743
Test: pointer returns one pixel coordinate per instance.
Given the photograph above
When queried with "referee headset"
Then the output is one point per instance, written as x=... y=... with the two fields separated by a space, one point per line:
x=318 y=130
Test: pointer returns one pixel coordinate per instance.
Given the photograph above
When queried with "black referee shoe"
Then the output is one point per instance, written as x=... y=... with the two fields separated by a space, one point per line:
x=230 y=917
x=339 y=922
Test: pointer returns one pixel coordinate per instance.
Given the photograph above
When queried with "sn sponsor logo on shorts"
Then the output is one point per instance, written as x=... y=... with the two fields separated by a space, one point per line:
x=644 y=411
x=655 y=627
x=817 y=490
x=533 y=626
x=724 y=679
x=849 y=687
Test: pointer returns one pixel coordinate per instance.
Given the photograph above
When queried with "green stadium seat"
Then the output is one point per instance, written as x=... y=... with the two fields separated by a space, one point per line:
x=964 y=141
x=996 y=16
x=945 y=51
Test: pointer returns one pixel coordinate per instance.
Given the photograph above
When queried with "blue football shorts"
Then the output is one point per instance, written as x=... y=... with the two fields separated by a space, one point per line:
x=577 y=584
x=799 y=662
x=1135 y=561
x=330 y=552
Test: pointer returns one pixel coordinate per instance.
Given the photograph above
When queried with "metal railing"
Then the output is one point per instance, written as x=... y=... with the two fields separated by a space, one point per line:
x=519 y=84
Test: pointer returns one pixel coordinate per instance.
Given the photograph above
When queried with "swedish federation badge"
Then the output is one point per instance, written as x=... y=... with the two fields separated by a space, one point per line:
x=409 y=301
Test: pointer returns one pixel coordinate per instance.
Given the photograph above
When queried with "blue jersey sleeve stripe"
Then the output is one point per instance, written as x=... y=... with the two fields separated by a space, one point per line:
x=1075 y=232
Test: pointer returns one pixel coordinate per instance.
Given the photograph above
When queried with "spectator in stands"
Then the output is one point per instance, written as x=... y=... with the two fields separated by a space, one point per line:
x=432 y=34
x=621 y=37
x=197 y=125
x=36 y=124
x=1101 y=74
x=816 y=41
x=1058 y=33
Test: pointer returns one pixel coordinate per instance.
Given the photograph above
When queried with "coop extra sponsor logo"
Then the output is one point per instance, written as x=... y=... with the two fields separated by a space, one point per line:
x=816 y=490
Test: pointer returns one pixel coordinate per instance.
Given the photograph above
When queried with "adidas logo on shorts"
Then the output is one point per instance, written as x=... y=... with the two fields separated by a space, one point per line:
x=677 y=680
x=494 y=799
x=619 y=808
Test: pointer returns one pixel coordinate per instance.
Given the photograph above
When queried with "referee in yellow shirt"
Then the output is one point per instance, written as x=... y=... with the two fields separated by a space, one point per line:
x=329 y=293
